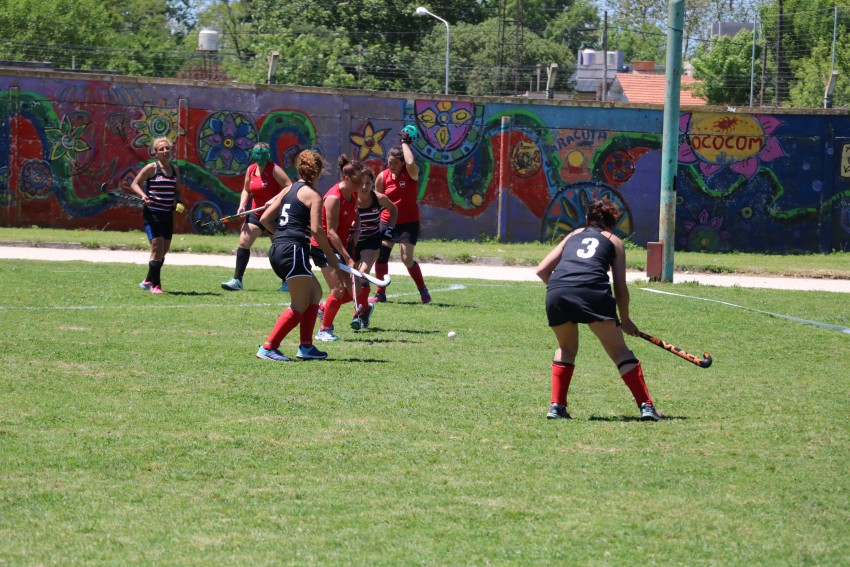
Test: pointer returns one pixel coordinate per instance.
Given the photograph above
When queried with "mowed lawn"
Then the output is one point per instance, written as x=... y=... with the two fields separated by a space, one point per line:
x=141 y=429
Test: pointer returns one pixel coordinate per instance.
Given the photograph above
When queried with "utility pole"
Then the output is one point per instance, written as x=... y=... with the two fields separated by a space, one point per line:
x=777 y=81
x=605 y=57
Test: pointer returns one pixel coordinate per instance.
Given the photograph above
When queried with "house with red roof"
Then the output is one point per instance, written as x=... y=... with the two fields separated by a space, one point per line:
x=644 y=86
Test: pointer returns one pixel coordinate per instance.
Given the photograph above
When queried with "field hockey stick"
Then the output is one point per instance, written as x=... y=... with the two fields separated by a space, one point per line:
x=219 y=223
x=703 y=362
x=119 y=194
x=368 y=277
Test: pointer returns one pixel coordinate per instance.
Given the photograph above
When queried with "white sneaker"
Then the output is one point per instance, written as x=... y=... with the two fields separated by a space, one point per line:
x=327 y=335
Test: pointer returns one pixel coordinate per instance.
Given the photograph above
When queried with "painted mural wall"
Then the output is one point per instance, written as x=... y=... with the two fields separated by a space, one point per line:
x=519 y=171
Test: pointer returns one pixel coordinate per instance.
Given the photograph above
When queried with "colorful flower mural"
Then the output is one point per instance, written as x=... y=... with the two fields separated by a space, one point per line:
x=224 y=142
x=7 y=197
x=704 y=233
x=66 y=141
x=36 y=179
x=158 y=122
x=368 y=143
x=451 y=130
x=740 y=142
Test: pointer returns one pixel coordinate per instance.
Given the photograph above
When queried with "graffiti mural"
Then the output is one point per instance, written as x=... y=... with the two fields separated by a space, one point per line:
x=759 y=182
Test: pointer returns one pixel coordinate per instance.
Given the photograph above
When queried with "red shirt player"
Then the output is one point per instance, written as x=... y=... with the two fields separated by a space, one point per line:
x=400 y=182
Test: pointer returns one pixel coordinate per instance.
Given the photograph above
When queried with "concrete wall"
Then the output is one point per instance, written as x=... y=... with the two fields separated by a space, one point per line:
x=522 y=170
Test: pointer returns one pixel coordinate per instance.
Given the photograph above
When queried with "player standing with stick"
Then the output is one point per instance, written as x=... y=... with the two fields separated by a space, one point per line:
x=339 y=216
x=400 y=182
x=578 y=291
x=161 y=197
x=263 y=180
x=370 y=205
x=291 y=216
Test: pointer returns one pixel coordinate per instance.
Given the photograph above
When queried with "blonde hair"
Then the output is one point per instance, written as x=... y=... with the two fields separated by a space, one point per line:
x=309 y=165
x=161 y=139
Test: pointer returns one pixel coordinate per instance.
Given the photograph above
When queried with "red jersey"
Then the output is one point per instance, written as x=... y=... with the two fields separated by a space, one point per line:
x=347 y=215
x=403 y=191
x=262 y=184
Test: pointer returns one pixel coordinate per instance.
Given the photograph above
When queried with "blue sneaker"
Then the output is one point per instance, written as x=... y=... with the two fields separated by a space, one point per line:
x=649 y=413
x=356 y=324
x=283 y=286
x=310 y=353
x=232 y=284
x=557 y=411
x=146 y=285
x=272 y=354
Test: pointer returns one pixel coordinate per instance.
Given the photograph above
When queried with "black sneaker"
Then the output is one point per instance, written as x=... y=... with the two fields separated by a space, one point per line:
x=557 y=411
x=649 y=413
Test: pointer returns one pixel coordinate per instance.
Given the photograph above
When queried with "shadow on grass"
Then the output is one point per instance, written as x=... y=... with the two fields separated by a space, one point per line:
x=194 y=293
x=622 y=418
x=352 y=359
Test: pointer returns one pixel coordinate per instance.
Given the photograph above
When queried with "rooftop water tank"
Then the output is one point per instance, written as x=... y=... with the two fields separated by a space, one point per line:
x=208 y=40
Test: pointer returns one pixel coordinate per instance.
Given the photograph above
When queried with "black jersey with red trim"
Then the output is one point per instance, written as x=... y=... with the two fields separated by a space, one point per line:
x=370 y=217
x=585 y=261
x=293 y=221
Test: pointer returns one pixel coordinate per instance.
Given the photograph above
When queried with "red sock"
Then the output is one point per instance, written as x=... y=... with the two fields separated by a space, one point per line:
x=562 y=373
x=332 y=305
x=634 y=380
x=416 y=274
x=287 y=321
x=363 y=296
x=308 y=324
x=381 y=270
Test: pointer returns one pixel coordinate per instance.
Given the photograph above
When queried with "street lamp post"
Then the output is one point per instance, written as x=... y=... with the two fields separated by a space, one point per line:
x=420 y=11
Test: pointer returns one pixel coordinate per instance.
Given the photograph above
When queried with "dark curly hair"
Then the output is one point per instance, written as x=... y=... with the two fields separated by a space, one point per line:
x=602 y=214
x=309 y=165
x=350 y=168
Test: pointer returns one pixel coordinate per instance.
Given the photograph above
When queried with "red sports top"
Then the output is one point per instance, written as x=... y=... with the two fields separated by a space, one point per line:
x=262 y=184
x=403 y=191
x=347 y=215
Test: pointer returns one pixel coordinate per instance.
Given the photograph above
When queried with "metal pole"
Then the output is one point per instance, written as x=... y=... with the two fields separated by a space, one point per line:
x=605 y=57
x=834 y=36
x=447 y=54
x=670 y=138
x=504 y=175
x=753 y=62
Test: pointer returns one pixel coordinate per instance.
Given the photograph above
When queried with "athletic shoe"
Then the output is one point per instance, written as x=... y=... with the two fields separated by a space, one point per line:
x=357 y=324
x=366 y=316
x=378 y=298
x=146 y=285
x=426 y=297
x=557 y=411
x=310 y=353
x=649 y=413
x=283 y=286
x=327 y=335
x=272 y=354
x=232 y=284
x=155 y=289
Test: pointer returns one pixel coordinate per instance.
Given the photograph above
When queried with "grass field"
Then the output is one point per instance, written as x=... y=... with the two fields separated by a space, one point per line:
x=141 y=429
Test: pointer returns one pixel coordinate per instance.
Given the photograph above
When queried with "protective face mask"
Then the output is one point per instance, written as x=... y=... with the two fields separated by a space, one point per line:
x=261 y=156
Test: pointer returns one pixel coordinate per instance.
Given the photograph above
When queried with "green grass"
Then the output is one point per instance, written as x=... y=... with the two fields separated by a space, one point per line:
x=141 y=429
x=835 y=265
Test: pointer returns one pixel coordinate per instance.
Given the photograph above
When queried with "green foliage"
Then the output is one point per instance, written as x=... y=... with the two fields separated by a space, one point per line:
x=724 y=66
x=141 y=430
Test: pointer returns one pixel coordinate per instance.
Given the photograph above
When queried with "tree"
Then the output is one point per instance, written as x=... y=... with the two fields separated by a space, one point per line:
x=724 y=66
x=51 y=30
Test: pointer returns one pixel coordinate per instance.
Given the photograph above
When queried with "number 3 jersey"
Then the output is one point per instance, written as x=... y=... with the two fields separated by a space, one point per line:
x=585 y=262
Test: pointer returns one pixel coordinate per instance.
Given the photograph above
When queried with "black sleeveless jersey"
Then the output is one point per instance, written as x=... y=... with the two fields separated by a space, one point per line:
x=293 y=221
x=370 y=217
x=161 y=189
x=586 y=259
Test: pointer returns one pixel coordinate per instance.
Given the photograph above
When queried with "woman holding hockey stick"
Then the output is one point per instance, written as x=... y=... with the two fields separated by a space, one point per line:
x=578 y=291
x=370 y=206
x=161 y=197
x=339 y=219
x=263 y=180
x=291 y=216
x=400 y=182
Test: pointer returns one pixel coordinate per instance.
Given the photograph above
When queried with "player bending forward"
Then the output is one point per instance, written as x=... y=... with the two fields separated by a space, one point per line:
x=579 y=291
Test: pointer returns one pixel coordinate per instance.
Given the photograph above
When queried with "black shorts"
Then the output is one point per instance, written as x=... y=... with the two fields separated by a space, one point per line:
x=254 y=219
x=319 y=258
x=580 y=305
x=407 y=233
x=158 y=224
x=290 y=260
x=368 y=243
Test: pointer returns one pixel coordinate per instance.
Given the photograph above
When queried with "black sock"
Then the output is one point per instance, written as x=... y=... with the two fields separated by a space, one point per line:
x=154 y=268
x=242 y=257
